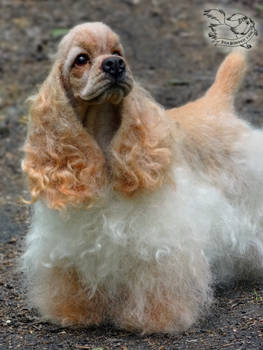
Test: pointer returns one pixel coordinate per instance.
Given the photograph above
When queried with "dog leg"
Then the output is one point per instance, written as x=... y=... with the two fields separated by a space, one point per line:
x=158 y=315
x=166 y=306
x=61 y=298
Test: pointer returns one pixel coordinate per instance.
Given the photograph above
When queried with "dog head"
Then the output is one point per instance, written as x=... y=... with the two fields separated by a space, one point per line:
x=94 y=68
x=92 y=125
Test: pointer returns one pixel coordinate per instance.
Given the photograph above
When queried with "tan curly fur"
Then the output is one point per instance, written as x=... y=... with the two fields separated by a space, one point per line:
x=64 y=162
x=141 y=148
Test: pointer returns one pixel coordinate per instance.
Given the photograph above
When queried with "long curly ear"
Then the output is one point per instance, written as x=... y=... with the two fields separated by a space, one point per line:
x=140 y=151
x=63 y=162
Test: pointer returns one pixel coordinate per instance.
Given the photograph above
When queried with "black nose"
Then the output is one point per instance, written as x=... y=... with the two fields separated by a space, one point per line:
x=115 y=66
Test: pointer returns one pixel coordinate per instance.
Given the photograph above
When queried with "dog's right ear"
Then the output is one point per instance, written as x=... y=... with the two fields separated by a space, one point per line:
x=228 y=79
x=63 y=162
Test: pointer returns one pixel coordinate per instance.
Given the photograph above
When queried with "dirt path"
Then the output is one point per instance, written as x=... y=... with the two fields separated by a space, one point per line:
x=166 y=47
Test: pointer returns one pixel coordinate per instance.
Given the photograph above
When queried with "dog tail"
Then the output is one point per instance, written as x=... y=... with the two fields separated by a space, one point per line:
x=228 y=78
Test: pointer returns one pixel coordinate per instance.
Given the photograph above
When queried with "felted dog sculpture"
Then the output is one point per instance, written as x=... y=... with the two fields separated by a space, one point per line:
x=138 y=211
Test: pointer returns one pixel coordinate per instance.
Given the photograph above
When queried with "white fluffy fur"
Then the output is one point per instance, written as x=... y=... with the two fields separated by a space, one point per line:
x=184 y=231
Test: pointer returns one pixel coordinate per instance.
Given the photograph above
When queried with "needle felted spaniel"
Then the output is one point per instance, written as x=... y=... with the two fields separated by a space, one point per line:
x=138 y=211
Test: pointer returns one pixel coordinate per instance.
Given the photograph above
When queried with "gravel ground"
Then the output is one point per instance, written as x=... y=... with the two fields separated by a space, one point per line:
x=166 y=46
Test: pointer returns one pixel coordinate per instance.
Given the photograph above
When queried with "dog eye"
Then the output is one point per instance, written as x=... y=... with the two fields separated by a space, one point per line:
x=81 y=59
x=117 y=53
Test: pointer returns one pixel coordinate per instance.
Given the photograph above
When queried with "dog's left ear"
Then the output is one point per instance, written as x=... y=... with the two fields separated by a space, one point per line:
x=141 y=149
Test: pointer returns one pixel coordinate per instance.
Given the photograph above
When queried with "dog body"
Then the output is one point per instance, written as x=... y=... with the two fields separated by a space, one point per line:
x=139 y=211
